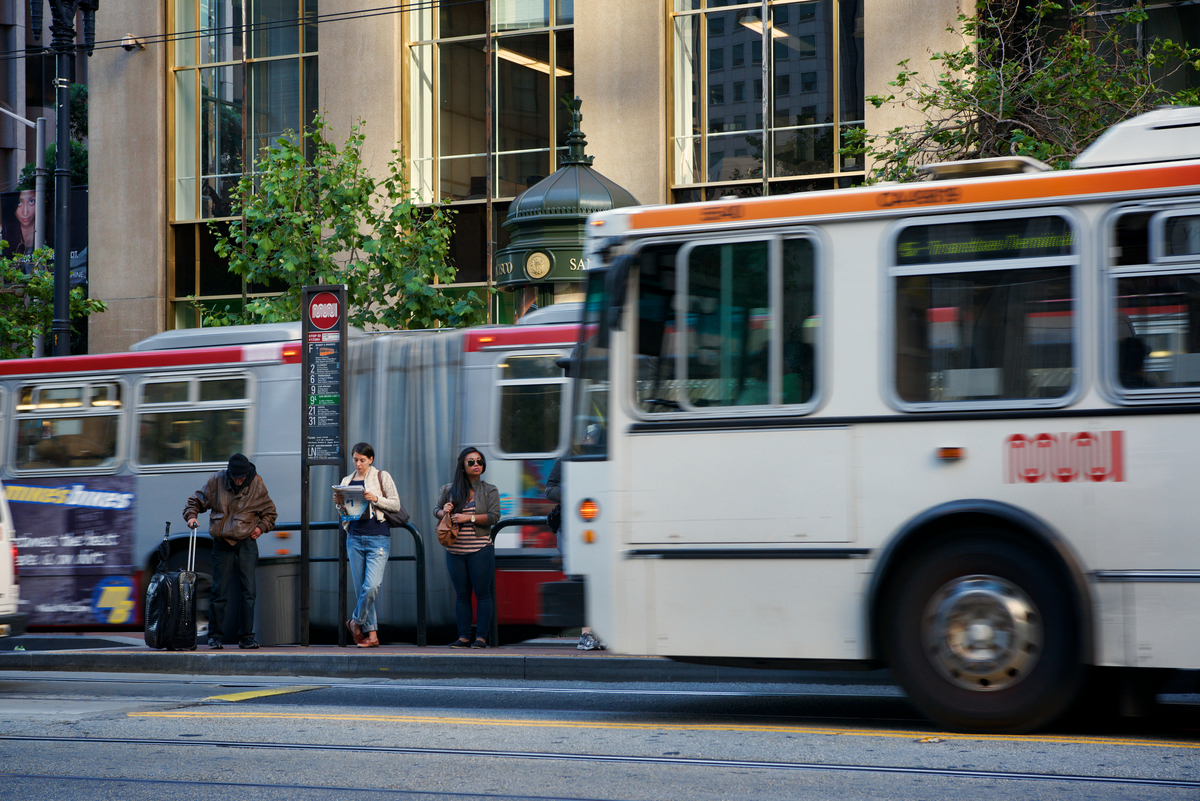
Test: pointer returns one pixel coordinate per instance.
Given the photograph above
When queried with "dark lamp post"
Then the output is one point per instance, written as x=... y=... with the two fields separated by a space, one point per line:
x=62 y=26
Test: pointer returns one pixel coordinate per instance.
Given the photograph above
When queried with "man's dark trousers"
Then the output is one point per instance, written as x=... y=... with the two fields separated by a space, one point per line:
x=227 y=559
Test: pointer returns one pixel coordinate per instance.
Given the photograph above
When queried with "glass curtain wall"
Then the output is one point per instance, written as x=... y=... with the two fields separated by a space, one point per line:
x=243 y=73
x=763 y=94
x=450 y=144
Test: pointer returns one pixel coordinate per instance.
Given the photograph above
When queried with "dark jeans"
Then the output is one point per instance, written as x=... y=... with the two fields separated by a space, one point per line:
x=227 y=559
x=472 y=571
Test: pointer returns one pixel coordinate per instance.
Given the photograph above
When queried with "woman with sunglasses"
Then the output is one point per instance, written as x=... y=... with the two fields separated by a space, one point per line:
x=475 y=506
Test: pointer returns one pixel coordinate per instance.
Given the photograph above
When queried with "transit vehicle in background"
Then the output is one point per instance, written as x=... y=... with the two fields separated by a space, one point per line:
x=947 y=427
x=12 y=622
x=97 y=451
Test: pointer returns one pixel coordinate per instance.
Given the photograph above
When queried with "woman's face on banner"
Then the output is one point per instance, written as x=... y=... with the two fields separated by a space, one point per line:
x=26 y=208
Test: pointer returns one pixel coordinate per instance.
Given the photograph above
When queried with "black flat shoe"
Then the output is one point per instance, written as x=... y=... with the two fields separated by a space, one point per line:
x=481 y=643
x=248 y=644
x=460 y=644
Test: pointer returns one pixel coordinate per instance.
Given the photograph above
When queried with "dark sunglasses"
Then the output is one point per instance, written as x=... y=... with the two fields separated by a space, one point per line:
x=473 y=462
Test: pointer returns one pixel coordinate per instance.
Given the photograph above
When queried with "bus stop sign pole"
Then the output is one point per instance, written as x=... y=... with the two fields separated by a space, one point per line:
x=322 y=419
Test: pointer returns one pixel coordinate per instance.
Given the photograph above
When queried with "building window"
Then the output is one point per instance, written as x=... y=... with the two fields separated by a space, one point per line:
x=238 y=84
x=449 y=144
x=814 y=47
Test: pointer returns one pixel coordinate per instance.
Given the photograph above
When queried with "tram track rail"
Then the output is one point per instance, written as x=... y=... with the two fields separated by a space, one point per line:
x=628 y=759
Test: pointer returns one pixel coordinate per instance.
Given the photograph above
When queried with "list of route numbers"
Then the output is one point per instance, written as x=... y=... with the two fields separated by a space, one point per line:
x=324 y=390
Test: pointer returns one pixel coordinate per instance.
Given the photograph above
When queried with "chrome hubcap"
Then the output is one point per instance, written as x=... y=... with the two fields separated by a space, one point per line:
x=982 y=632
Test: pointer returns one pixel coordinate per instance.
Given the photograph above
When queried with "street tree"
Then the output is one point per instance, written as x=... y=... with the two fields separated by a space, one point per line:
x=27 y=302
x=1033 y=78
x=312 y=214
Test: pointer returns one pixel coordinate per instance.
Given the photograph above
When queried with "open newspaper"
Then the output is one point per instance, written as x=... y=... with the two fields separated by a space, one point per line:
x=353 y=502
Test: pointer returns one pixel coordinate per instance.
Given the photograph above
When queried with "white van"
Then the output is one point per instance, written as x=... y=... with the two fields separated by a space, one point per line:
x=11 y=622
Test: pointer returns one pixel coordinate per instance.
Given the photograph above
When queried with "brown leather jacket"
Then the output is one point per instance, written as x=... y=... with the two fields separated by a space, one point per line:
x=232 y=516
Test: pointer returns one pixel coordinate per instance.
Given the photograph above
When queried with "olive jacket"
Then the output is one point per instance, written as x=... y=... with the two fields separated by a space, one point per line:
x=233 y=516
x=487 y=502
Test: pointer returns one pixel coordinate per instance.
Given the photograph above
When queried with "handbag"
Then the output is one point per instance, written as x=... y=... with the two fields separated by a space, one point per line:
x=393 y=519
x=447 y=532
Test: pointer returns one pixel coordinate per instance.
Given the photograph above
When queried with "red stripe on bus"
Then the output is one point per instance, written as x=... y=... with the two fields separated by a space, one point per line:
x=521 y=335
x=122 y=361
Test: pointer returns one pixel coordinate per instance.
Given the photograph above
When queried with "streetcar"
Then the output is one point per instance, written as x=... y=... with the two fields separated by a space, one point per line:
x=947 y=427
x=99 y=453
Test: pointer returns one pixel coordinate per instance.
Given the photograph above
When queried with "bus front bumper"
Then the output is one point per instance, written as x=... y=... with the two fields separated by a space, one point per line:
x=12 y=625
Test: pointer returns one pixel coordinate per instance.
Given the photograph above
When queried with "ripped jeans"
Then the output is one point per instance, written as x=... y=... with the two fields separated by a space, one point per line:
x=367 y=557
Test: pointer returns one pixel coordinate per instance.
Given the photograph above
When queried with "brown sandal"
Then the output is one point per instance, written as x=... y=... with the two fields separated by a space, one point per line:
x=369 y=640
x=356 y=630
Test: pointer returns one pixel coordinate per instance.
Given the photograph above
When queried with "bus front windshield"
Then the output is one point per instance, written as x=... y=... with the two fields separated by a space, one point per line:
x=589 y=435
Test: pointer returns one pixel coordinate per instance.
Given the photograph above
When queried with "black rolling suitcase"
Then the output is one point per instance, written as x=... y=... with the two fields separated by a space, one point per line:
x=171 y=601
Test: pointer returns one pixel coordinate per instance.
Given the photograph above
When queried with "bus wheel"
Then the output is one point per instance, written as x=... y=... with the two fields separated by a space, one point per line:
x=204 y=577
x=982 y=634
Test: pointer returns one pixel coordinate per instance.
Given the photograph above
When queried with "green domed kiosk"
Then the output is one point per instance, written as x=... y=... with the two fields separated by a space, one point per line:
x=544 y=262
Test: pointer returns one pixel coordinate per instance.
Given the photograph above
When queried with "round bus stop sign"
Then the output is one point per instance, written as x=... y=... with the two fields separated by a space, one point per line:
x=324 y=311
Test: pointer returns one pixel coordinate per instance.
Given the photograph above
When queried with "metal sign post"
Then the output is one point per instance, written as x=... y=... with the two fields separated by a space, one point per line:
x=322 y=419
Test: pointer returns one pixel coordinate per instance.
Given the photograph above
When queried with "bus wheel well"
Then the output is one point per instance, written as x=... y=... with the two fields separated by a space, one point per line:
x=935 y=529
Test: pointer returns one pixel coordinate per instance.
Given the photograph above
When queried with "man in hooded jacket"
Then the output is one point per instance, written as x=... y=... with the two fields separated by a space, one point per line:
x=240 y=511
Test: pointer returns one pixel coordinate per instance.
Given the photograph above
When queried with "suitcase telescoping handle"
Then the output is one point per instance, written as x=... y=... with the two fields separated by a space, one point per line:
x=191 y=562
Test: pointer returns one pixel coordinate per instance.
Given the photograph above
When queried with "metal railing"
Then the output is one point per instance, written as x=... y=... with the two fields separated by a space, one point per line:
x=503 y=523
x=418 y=557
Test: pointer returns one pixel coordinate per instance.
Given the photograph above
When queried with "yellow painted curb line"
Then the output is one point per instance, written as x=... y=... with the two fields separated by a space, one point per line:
x=584 y=724
x=234 y=697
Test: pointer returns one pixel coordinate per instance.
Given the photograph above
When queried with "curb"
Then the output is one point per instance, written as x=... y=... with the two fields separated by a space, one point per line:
x=521 y=667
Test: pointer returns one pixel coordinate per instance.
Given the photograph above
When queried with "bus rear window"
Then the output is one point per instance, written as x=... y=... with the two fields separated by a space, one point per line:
x=531 y=389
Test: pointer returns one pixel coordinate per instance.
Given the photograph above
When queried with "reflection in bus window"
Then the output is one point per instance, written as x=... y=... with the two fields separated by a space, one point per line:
x=55 y=429
x=589 y=432
x=190 y=436
x=1181 y=236
x=165 y=392
x=208 y=430
x=530 y=404
x=1158 y=331
x=729 y=325
x=800 y=321
x=994 y=335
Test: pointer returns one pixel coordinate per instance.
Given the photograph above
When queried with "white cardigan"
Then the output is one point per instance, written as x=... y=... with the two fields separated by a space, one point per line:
x=380 y=483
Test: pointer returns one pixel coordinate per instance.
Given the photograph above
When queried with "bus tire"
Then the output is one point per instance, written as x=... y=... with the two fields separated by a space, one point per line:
x=204 y=583
x=983 y=633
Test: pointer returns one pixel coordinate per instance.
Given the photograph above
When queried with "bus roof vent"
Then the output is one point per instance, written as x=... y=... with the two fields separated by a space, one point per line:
x=1166 y=134
x=983 y=168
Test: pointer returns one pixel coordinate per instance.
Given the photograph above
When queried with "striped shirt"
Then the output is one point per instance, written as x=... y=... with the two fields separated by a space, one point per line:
x=468 y=540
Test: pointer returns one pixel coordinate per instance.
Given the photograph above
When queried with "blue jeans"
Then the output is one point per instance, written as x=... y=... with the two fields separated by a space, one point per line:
x=227 y=558
x=472 y=571
x=367 y=557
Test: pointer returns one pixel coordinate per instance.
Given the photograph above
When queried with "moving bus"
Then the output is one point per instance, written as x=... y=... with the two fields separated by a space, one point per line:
x=947 y=427
x=96 y=452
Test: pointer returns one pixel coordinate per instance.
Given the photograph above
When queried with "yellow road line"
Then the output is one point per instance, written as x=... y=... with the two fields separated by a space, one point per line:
x=729 y=727
x=258 y=693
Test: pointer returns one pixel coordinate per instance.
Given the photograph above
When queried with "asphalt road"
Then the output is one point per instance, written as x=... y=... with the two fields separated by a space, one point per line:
x=106 y=736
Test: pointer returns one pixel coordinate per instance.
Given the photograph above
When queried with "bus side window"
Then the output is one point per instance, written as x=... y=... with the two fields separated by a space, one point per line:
x=1157 y=302
x=657 y=387
x=531 y=389
x=980 y=316
x=197 y=420
x=67 y=426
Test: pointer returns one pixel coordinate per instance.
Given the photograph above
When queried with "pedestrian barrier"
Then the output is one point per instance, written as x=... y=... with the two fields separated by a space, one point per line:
x=503 y=523
x=418 y=557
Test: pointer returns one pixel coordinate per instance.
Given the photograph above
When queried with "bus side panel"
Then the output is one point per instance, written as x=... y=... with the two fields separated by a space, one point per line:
x=782 y=608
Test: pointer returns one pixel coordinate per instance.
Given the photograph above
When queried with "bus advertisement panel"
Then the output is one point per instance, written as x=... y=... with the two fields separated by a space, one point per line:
x=74 y=550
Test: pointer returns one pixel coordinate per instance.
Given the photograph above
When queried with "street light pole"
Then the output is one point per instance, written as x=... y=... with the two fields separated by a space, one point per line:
x=62 y=26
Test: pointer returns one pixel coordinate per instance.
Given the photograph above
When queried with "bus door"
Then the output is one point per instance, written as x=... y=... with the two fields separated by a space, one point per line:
x=720 y=463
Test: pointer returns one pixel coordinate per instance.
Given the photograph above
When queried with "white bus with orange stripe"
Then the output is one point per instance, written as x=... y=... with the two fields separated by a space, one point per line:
x=947 y=427
x=96 y=452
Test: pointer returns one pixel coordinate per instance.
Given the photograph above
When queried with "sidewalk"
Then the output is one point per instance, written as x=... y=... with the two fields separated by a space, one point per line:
x=535 y=660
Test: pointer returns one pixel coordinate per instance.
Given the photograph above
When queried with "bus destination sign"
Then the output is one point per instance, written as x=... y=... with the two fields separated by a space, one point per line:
x=324 y=374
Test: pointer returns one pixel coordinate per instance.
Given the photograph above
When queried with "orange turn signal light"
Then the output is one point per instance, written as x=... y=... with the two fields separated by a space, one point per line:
x=589 y=510
x=951 y=454
x=589 y=536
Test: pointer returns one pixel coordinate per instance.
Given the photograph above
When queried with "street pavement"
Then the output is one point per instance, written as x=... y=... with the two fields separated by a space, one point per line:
x=135 y=735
